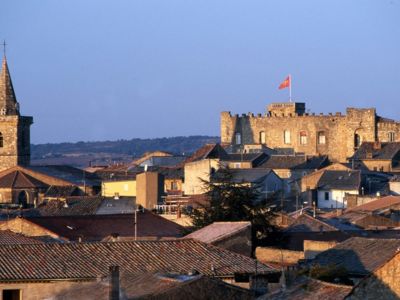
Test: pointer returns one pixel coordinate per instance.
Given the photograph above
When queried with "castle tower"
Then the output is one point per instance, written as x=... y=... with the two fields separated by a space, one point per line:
x=14 y=129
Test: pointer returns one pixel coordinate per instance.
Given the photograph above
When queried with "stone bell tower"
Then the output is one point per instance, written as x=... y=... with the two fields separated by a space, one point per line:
x=14 y=129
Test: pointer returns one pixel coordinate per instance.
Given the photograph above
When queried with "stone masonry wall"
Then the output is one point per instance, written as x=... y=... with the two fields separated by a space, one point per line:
x=275 y=255
x=340 y=131
x=15 y=131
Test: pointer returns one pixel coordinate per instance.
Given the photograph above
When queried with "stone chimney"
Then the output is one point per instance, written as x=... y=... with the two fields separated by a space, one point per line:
x=377 y=146
x=114 y=283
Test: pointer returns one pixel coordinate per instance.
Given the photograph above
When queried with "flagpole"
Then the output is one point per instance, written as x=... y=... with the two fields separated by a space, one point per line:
x=290 y=88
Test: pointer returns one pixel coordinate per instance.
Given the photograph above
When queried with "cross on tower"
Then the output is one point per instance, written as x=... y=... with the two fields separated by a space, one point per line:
x=4 y=48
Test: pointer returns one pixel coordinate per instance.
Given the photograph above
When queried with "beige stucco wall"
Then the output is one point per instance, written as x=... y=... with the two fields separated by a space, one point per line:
x=197 y=171
x=126 y=188
x=312 y=248
x=148 y=191
x=383 y=283
x=378 y=165
x=20 y=225
x=275 y=255
x=59 y=290
x=394 y=187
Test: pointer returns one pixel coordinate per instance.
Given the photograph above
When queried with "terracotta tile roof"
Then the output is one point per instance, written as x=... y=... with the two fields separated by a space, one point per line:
x=255 y=158
x=244 y=175
x=218 y=231
x=62 y=191
x=377 y=151
x=379 y=204
x=160 y=286
x=8 y=237
x=208 y=151
x=18 y=179
x=343 y=180
x=67 y=173
x=311 y=289
x=73 y=206
x=306 y=223
x=91 y=260
x=359 y=256
x=97 y=227
x=295 y=162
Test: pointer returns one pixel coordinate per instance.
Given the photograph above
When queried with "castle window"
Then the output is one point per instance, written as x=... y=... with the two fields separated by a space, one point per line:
x=286 y=137
x=238 y=138
x=391 y=136
x=262 y=137
x=303 y=137
x=1 y=140
x=321 y=138
x=357 y=140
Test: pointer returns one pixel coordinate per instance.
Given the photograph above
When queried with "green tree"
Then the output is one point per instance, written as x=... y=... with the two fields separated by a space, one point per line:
x=233 y=201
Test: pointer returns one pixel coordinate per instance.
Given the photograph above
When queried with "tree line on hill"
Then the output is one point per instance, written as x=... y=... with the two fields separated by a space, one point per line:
x=133 y=147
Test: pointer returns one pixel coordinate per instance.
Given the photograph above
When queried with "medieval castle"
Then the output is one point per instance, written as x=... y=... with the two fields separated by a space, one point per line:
x=287 y=127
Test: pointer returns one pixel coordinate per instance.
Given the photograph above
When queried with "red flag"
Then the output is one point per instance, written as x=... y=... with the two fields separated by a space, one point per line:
x=285 y=83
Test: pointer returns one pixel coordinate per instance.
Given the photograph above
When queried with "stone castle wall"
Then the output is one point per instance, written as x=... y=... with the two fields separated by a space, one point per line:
x=339 y=131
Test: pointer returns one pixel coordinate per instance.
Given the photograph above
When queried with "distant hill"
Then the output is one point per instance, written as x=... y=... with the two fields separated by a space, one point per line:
x=81 y=154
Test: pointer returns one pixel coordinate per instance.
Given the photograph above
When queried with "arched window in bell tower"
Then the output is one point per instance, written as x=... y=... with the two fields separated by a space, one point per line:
x=1 y=140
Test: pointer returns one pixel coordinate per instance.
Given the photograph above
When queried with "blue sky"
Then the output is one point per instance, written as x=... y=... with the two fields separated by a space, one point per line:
x=106 y=70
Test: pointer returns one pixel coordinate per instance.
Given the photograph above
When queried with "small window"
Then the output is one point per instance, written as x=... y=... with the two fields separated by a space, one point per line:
x=12 y=295
x=174 y=186
x=391 y=136
x=238 y=138
x=262 y=137
x=1 y=140
x=326 y=196
x=303 y=137
x=357 y=140
x=286 y=137
x=321 y=138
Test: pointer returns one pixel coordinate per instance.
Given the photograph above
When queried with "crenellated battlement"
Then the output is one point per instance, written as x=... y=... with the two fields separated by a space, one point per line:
x=288 y=125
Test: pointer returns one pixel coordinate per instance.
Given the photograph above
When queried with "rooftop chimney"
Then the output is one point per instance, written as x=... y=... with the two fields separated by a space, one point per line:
x=114 y=283
x=377 y=146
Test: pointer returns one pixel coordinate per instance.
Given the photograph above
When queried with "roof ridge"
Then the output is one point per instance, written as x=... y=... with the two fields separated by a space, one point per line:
x=15 y=178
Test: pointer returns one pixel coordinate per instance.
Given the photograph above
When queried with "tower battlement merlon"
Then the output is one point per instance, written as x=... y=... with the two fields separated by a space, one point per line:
x=286 y=108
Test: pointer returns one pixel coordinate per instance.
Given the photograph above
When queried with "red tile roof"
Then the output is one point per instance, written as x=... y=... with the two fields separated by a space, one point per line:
x=8 y=237
x=18 y=179
x=98 y=227
x=382 y=203
x=311 y=289
x=218 y=231
x=91 y=260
